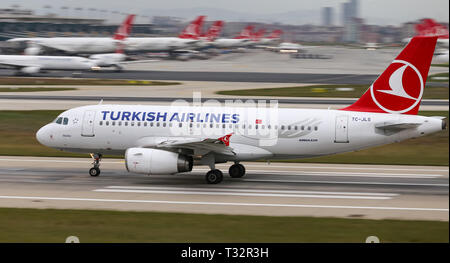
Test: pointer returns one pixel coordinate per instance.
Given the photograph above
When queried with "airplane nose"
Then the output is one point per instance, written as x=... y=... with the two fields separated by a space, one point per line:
x=42 y=135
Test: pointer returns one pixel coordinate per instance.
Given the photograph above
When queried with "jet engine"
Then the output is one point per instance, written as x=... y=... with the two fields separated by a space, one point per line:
x=30 y=70
x=154 y=161
x=32 y=51
x=107 y=60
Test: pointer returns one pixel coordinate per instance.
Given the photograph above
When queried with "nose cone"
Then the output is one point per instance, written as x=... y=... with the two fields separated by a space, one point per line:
x=43 y=136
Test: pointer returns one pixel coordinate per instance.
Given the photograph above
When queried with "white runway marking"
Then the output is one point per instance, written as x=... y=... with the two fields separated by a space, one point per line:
x=339 y=182
x=340 y=174
x=224 y=203
x=242 y=194
x=245 y=190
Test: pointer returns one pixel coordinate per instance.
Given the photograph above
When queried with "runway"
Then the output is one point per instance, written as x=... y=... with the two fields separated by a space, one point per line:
x=278 y=189
x=258 y=77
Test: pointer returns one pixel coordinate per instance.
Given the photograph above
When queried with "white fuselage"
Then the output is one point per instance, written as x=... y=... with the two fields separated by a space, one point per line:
x=287 y=133
x=157 y=43
x=230 y=43
x=74 y=45
x=47 y=62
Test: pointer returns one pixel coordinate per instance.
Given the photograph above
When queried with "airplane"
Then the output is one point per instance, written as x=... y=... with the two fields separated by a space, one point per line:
x=241 y=40
x=187 y=38
x=78 y=45
x=172 y=139
x=273 y=37
x=429 y=27
x=29 y=64
x=287 y=47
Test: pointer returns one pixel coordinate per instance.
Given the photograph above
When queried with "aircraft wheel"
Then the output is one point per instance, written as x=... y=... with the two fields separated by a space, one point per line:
x=236 y=170
x=214 y=176
x=94 y=171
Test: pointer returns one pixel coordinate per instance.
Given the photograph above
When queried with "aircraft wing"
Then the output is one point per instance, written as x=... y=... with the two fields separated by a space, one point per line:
x=138 y=61
x=219 y=145
x=56 y=46
x=13 y=64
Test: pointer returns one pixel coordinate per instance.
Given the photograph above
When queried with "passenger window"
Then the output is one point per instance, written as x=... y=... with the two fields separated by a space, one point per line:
x=315 y=128
x=138 y=124
x=101 y=123
x=59 y=120
x=151 y=124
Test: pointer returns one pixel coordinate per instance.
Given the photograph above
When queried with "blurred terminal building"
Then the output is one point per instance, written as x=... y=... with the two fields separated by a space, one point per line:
x=18 y=22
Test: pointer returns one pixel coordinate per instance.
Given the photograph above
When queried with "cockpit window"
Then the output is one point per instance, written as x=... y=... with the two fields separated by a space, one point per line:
x=59 y=120
x=65 y=121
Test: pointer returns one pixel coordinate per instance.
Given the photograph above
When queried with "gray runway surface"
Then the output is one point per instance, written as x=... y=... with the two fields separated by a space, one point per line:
x=356 y=191
x=324 y=101
x=264 y=77
x=261 y=77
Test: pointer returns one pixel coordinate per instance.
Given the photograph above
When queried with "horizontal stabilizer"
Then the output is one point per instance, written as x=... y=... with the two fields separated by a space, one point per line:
x=397 y=125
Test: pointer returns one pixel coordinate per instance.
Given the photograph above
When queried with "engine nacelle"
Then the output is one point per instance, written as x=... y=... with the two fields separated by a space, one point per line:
x=106 y=60
x=30 y=70
x=36 y=50
x=154 y=161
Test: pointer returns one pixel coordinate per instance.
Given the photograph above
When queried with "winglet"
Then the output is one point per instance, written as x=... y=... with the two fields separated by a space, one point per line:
x=225 y=139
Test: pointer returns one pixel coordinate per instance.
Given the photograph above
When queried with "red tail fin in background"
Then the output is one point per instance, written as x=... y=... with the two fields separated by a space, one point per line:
x=125 y=29
x=193 y=30
x=246 y=33
x=259 y=34
x=399 y=88
x=214 y=30
x=429 y=27
x=276 y=34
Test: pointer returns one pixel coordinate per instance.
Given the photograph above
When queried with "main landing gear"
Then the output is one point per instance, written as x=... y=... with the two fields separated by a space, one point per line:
x=237 y=170
x=215 y=176
x=95 y=171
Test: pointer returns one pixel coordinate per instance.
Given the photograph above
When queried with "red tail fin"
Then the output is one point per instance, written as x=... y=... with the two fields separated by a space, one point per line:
x=214 y=30
x=125 y=29
x=399 y=88
x=246 y=33
x=429 y=27
x=258 y=35
x=193 y=30
x=275 y=34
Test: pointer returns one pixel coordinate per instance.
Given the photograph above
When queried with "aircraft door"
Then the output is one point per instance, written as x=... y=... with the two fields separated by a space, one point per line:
x=87 y=128
x=341 y=129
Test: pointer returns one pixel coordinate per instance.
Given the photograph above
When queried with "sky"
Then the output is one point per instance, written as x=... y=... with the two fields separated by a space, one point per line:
x=373 y=11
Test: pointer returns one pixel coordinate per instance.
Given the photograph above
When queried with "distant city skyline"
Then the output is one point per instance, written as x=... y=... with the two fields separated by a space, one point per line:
x=383 y=12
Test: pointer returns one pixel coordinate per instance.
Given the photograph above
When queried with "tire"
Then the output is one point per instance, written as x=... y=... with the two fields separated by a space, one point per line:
x=236 y=171
x=214 y=177
x=94 y=172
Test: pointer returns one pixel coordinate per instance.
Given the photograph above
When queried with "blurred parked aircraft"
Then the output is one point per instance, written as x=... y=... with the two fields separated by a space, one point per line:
x=79 y=45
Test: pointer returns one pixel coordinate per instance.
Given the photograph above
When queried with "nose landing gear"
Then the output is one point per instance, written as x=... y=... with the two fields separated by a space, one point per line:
x=95 y=171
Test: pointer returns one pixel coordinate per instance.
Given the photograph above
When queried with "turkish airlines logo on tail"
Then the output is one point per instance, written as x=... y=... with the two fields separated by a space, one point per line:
x=400 y=90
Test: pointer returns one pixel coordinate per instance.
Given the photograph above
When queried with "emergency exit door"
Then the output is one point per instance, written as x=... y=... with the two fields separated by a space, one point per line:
x=341 y=130
x=87 y=128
